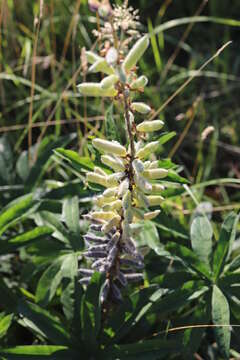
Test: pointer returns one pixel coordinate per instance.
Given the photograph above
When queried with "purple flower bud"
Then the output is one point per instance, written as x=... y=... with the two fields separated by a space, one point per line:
x=92 y=237
x=97 y=264
x=83 y=271
x=132 y=262
x=95 y=227
x=98 y=247
x=95 y=254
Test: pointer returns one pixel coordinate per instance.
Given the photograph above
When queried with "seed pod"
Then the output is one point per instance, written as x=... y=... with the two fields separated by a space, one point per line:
x=131 y=262
x=112 y=223
x=141 y=107
x=101 y=66
x=116 y=292
x=147 y=149
x=95 y=227
x=134 y=277
x=109 y=147
x=95 y=90
x=114 y=240
x=113 y=162
x=93 y=238
x=97 y=179
x=87 y=272
x=85 y=280
x=135 y=53
x=98 y=263
x=100 y=247
x=105 y=290
x=139 y=83
x=92 y=57
x=95 y=254
x=103 y=215
x=155 y=173
x=155 y=200
x=109 y=81
x=151 y=215
x=149 y=126
x=112 y=56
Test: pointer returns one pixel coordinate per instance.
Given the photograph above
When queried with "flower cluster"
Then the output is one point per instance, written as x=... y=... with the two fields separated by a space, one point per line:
x=133 y=187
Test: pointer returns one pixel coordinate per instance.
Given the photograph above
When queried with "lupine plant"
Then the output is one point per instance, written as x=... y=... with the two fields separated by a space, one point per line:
x=89 y=287
x=134 y=186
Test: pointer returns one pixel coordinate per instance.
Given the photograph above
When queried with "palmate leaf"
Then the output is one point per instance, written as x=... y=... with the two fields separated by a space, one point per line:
x=221 y=316
x=226 y=238
x=64 y=267
x=71 y=215
x=201 y=238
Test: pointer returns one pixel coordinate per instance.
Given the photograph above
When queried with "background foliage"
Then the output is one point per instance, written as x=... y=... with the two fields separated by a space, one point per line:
x=192 y=276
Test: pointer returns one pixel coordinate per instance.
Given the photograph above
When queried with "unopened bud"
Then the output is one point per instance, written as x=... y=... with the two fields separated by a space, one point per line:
x=139 y=83
x=112 y=56
x=114 y=222
x=155 y=173
x=109 y=81
x=147 y=149
x=136 y=53
x=141 y=107
x=97 y=178
x=114 y=163
x=109 y=147
x=101 y=66
x=92 y=57
x=155 y=200
x=103 y=215
x=95 y=90
x=149 y=126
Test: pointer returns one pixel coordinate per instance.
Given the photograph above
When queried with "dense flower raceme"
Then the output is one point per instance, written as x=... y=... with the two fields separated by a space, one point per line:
x=133 y=188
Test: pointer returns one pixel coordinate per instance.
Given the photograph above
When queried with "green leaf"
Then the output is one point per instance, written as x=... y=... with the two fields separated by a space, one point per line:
x=174 y=177
x=166 y=137
x=71 y=214
x=40 y=321
x=49 y=282
x=91 y=311
x=171 y=226
x=149 y=236
x=37 y=352
x=52 y=220
x=78 y=163
x=8 y=298
x=201 y=238
x=188 y=258
x=234 y=265
x=174 y=280
x=5 y=322
x=15 y=211
x=24 y=239
x=226 y=238
x=221 y=316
